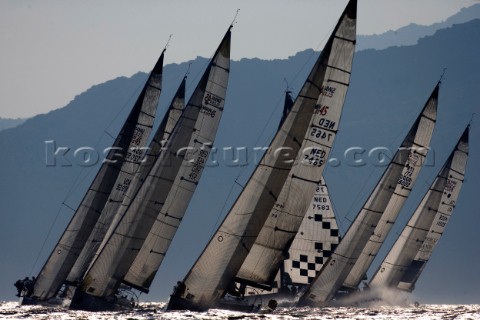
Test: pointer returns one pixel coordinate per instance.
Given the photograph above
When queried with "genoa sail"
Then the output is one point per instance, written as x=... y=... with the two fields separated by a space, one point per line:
x=405 y=184
x=180 y=166
x=126 y=175
x=130 y=140
x=408 y=256
x=307 y=125
x=388 y=195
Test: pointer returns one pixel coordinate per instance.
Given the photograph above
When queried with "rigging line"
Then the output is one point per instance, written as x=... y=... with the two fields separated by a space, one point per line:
x=77 y=181
x=234 y=21
x=45 y=241
x=168 y=42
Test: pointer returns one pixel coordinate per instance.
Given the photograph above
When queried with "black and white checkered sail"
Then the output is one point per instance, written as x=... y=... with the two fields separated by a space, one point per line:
x=315 y=241
x=413 y=248
x=114 y=173
x=176 y=172
x=282 y=184
x=386 y=200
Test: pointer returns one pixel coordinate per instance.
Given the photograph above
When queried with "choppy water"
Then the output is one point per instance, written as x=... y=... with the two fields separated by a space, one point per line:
x=10 y=310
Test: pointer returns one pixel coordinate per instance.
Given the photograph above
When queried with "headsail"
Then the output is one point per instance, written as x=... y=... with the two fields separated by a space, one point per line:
x=221 y=260
x=413 y=248
x=387 y=195
x=405 y=185
x=130 y=140
x=178 y=167
x=281 y=226
x=116 y=198
x=316 y=239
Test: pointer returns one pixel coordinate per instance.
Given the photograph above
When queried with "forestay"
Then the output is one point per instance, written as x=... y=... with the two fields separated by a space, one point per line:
x=188 y=146
x=339 y=265
x=122 y=156
x=413 y=248
x=221 y=260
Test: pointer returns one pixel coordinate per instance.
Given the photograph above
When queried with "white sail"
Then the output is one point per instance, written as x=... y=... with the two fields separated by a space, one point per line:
x=413 y=248
x=216 y=268
x=385 y=196
x=121 y=186
x=148 y=260
x=406 y=182
x=180 y=164
x=316 y=239
x=130 y=140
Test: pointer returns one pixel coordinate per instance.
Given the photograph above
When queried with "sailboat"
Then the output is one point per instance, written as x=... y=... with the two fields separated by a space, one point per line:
x=112 y=178
x=409 y=255
x=372 y=223
x=317 y=237
x=156 y=202
x=281 y=186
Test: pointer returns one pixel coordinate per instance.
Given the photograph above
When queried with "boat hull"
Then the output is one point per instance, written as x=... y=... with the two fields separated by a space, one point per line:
x=84 y=301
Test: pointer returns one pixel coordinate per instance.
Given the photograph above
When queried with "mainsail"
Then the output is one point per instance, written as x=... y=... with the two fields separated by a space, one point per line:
x=311 y=124
x=414 y=246
x=130 y=140
x=126 y=175
x=388 y=195
x=178 y=167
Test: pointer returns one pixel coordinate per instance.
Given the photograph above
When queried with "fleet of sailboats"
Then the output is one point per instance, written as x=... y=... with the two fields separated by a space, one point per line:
x=280 y=238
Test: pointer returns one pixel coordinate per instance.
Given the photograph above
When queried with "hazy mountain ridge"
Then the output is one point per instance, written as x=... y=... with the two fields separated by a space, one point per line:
x=387 y=91
x=409 y=35
x=7 y=123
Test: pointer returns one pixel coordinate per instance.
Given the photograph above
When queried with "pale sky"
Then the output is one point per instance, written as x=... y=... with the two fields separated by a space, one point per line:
x=52 y=50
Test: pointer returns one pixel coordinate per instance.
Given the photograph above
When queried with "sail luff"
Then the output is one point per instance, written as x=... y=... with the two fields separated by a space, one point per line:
x=271 y=246
x=215 y=269
x=123 y=183
x=341 y=262
x=406 y=182
x=122 y=244
x=408 y=256
x=131 y=137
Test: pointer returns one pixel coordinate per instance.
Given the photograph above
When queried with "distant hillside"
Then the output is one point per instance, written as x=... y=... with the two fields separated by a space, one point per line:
x=388 y=89
x=410 y=34
x=6 y=123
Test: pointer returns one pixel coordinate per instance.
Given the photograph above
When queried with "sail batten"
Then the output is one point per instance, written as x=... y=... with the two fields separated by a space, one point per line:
x=174 y=169
x=132 y=137
x=368 y=226
x=218 y=266
x=407 y=258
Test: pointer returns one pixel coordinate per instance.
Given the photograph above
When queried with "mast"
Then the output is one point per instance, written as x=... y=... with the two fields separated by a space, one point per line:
x=131 y=138
x=389 y=194
x=126 y=175
x=179 y=166
x=221 y=260
x=408 y=256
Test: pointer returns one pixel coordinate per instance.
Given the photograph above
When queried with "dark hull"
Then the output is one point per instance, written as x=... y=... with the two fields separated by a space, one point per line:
x=84 y=301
